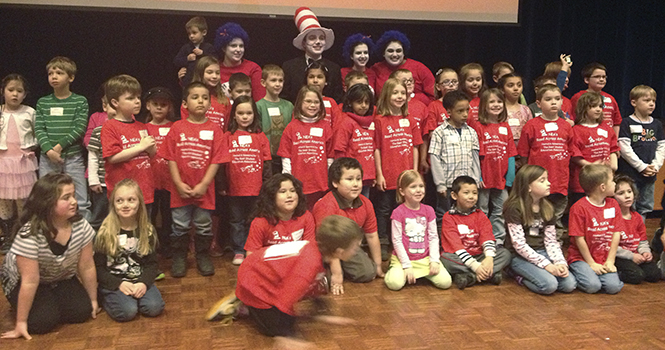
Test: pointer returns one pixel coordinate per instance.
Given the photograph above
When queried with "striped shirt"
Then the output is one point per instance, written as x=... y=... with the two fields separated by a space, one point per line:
x=61 y=122
x=95 y=153
x=52 y=268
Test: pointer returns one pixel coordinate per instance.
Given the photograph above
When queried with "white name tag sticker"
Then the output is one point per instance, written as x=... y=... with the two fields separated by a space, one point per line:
x=297 y=235
x=503 y=130
x=602 y=132
x=326 y=104
x=284 y=250
x=164 y=131
x=58 y=111
x=274 y=111
x=534 y=231
x=551 y=127
x=318 y=132
x=608 y=213
x=143 y=133
x=514 y=122
x=206 y=134
x=607 y=100
x=371 y=126
x=636 y=129
x=404 y=123
x=122 y=240
x=463 y=229
x=244 y=139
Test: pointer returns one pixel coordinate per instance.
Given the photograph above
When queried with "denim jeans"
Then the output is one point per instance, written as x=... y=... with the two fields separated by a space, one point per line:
x=123 y=308
x=184 y=216
x=240 y=210
x=496 y=197
x=589 y=282
x=100 y=208
x=384 y=204
x=644 y=200
x=443 y=204
x=74 y=167
x=540 y=281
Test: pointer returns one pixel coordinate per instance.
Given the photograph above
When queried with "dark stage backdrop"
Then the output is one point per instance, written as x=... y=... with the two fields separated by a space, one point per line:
x=627 y=36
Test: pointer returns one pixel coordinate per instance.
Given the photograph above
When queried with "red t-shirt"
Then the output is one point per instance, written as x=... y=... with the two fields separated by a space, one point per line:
x=279 y=275
x=308 y=145
x=117 y=136
x=467 y=232
x=418 y=111
x=250 y=69
x=473 y=111
x=333 y=112
x=396 y=136
x=634 y=232
x=547 y=143
x=496 y=147
x=436 y=115
x=363 y=215
x=245 y=153
x=596 y=225
x=423 y=78
x=354 y=141
x=194 y=147
x=217 y=113
x=262 y=234
x=591 y=143
x=567 y=106
x=160 y=166
x=611 y=113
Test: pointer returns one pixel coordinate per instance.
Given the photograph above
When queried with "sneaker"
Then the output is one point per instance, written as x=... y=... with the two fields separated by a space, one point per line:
x=160 y=275
x=226 y=306
x=496 y=279
x=461 y=280
x=237 y=259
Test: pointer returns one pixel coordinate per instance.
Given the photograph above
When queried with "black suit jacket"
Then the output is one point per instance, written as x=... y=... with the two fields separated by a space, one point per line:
x=294 y=79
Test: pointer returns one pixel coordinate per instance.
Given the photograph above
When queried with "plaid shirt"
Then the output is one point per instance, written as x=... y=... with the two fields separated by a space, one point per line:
x=453 y=155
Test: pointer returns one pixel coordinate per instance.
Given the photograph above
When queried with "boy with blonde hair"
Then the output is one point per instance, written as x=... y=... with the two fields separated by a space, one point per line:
x=60 y=122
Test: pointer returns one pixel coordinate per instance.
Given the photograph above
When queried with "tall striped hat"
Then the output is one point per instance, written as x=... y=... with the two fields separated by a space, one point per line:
x=306 y=21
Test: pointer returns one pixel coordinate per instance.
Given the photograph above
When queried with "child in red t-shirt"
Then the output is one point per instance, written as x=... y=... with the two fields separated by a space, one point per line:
x=470 y=253
x=126 y=145
x=416 y=108
x=159 y=104
x=316 y=77
x=592 y=141
x=246 y=165
x=634 y=262
x=472 y=76
x=207 y=72
x=281 y=215
x=273 y=279
x=546 y=141
x=306 y=145
x=193 y=148
x=497 y=148
x=595 y=227
x=595 y=76
x=446 y=81
x=354 y=136
x=396 y=140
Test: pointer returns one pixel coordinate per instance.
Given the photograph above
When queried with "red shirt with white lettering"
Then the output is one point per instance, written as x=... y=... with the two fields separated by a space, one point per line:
x=160 y=166
x=352 y=140
x=596 y=224
x=496 y=147
x=634 y=232
x=308 y=145
x=218 y=113
x=395 y=137
x=473 y=111
x=117 y=136
x=245 y=153
x=436 y=115
x=418 y=111
x=467 y=232
x=263 y=234
x=333 y=112
x=611 y=113
x=194 y=147
x=591 y=143
x=547 y=143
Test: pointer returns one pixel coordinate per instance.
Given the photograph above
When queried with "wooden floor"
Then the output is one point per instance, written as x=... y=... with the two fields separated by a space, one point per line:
x=417 y=317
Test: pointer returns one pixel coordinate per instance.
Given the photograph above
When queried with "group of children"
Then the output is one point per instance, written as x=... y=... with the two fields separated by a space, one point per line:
x=437 y=175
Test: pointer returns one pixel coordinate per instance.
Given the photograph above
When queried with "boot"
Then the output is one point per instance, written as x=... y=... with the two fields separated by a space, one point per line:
x=179 y=252
x=203 y=262
x=8 y=233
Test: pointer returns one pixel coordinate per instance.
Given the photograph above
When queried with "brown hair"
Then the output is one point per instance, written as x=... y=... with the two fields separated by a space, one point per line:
x=297 y=108
x=64 y=63
x=483 y=117
x=545 y=88
x=337 y=232
x=271 y=69
x=198 y=22
x=119 y=85
x=593 y=175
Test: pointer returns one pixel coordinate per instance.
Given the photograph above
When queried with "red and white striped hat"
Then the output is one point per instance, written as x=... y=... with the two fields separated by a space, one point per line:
x=306 y=21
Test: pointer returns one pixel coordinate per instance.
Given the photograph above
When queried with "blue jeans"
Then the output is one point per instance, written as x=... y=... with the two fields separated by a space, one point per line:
x=589 y=282
x=644 y=200
x=496 y=197
x=539 y=280
x=443 y=204
x=100 y=208
x=74 y=167
x=184 y=216
x=123 y=308
x=240 y=210
x=384 y=204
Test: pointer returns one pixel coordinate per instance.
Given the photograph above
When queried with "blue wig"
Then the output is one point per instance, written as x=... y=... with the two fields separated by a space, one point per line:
x=353 y=41
x=387 y=38
x=226 y=33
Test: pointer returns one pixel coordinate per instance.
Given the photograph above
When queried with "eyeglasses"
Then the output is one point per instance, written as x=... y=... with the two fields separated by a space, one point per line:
x=449 y=82
x=311 y=102
x=408 y=81
x=604 y=77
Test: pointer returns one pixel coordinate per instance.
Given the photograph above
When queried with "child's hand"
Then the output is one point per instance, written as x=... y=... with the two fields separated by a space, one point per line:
x=95 y=308
x=147 y=142
x=198 y=191
x=379 y=272
x=598 y=268
x=197 y=52
x=551 y=268
x=58 y=148
x=434 y=268
x=127 y=288
x=443 y=192
x=96 y=188
x=336 y=286
x=184 y=190
x=222 y=192
x=54 y=157
x=647 y=256
x=139 y=289
x=424 y=166
x=410 y=278
x=638 y=259
x=21 y=330
x=336 y=320
x=486 y=269
x=609 y=267
x=564 y=62
x=650 y=170
x=563 y=270
x=481 y=184
x=182 y=72
x=191 y=57
x=380 y=183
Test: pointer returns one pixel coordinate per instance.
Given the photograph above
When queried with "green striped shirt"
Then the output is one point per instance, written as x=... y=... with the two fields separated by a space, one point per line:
x=61 y=122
